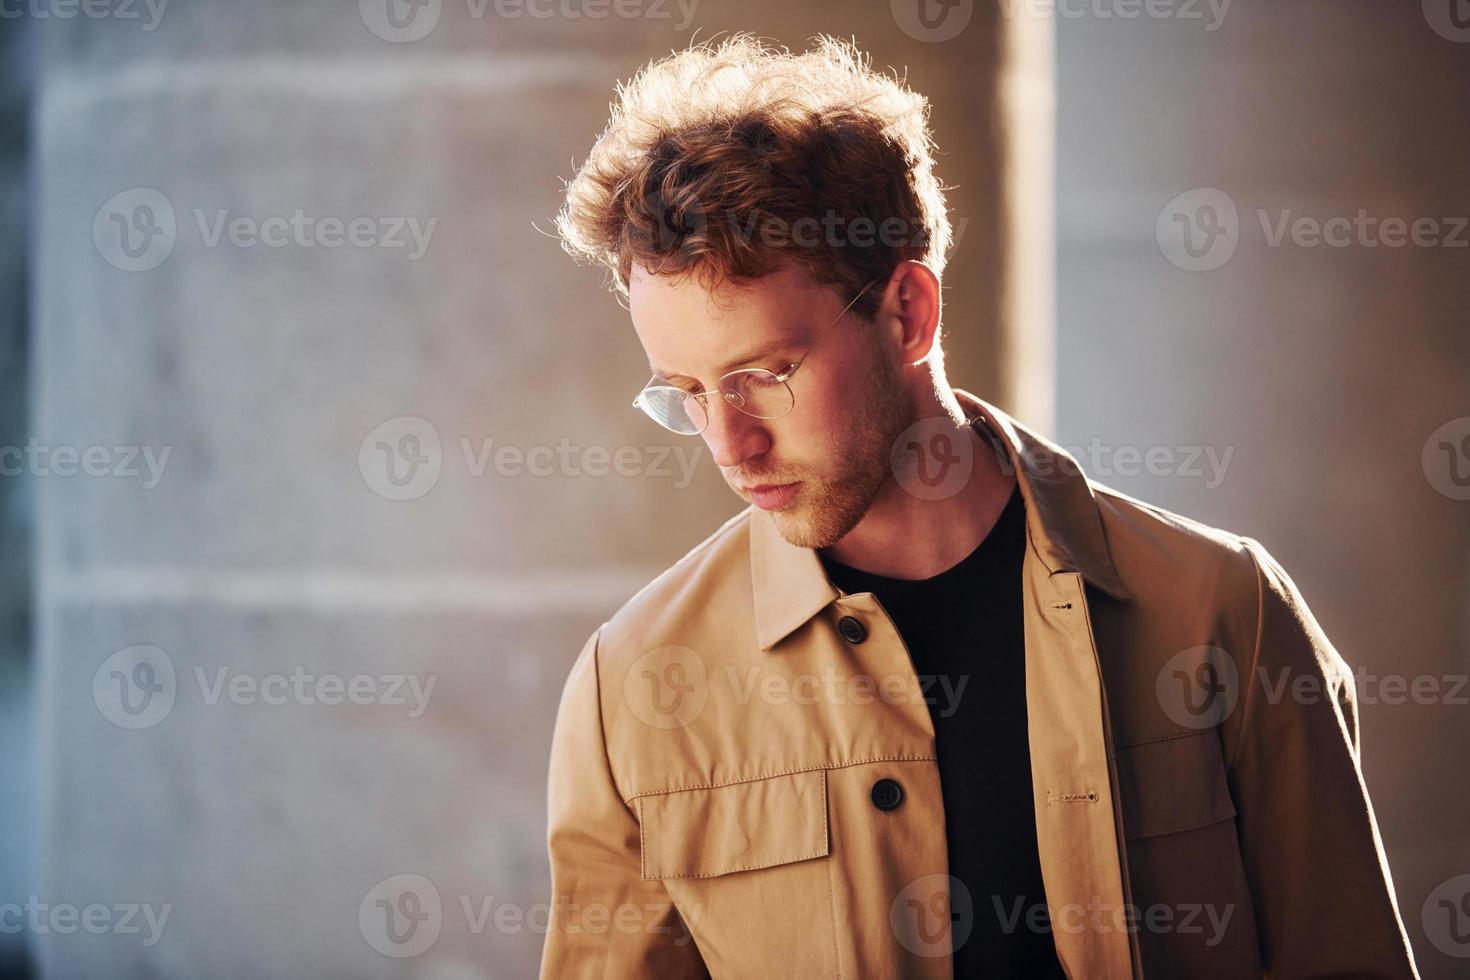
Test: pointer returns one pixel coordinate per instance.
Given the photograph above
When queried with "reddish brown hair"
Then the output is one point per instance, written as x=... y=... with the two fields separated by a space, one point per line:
x=730 y=159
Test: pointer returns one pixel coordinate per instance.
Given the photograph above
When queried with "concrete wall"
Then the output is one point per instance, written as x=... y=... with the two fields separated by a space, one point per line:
x=317 y=514
x=1326 y=370
x=17 y=761
x=271 y=543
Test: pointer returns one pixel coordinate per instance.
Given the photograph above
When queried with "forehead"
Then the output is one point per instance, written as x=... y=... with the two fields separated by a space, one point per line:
x=687 y=299
x=687 y=328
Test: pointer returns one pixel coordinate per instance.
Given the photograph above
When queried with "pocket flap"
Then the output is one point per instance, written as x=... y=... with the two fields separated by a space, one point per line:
x=1173 y=785
x=700 y=833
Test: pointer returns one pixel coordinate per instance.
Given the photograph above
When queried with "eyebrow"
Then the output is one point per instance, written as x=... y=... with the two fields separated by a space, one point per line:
x=759 y=354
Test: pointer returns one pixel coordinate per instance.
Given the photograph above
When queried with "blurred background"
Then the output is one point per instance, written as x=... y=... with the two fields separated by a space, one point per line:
x=317 y=465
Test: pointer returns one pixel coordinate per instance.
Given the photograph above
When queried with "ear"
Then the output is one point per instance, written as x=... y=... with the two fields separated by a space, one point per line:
x=910 y=310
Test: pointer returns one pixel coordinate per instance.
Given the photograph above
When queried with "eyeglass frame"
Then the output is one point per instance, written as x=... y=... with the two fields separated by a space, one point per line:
x=782 y=377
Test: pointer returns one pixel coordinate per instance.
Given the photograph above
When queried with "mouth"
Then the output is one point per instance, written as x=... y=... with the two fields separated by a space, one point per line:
x=772 y=496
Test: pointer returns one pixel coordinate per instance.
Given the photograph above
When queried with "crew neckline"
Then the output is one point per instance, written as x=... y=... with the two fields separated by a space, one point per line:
x=1012 y=514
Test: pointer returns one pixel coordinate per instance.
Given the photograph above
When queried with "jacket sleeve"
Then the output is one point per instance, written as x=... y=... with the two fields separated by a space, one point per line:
x=606 y=921
x=1319 y=879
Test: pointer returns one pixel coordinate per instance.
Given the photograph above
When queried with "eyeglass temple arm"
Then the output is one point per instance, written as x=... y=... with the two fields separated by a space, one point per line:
x=786 y=375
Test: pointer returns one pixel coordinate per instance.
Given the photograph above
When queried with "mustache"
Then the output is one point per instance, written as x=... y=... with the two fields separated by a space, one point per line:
x=748 y=479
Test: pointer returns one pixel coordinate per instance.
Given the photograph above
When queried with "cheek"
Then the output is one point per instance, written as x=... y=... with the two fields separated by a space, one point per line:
x=840 y=391
x=819 y=428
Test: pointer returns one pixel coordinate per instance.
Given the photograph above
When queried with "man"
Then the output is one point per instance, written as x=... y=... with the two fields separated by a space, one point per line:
x=935 y=704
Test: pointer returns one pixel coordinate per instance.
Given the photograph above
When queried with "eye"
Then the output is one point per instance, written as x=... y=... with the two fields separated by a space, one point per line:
x=757 y=379
x=686 y=385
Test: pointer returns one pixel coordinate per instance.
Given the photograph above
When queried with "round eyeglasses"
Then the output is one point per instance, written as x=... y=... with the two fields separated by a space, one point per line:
x=757 y=392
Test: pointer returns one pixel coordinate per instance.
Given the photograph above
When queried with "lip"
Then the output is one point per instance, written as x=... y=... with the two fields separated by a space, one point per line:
x=773 y=496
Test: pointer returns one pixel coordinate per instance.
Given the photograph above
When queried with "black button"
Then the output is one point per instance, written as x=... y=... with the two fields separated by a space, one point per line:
x=852 y=629
x=887 y=794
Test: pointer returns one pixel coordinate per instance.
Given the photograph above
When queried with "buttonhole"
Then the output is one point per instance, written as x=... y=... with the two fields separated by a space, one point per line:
x=1089 y=797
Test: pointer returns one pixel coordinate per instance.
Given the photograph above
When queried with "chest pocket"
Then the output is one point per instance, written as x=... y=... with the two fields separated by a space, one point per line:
x=749 y=866
x=1184 y=859
x=1173 y=785
x=760 y=823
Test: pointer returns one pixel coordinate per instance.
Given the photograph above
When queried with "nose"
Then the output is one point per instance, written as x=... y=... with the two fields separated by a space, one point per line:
x=732 y=436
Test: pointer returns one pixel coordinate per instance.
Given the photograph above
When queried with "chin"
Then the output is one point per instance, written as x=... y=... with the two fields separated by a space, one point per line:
x=797 y=528
x=820 y=519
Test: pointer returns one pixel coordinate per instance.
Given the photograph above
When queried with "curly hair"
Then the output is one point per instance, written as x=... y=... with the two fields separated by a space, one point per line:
x=733 y=158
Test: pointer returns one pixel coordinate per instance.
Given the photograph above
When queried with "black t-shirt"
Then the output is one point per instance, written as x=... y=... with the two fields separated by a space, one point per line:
x=963 y=628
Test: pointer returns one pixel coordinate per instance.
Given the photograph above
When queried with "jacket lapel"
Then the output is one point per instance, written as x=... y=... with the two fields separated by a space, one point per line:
x=789 y=586
x=1071 y=757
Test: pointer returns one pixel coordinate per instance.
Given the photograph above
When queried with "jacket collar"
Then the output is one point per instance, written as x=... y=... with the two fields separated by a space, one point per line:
x=790 y=586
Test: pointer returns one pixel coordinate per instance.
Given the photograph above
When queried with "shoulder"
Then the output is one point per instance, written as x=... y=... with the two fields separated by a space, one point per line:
x=711 y=583
x=1168 y=557
x=643 y=673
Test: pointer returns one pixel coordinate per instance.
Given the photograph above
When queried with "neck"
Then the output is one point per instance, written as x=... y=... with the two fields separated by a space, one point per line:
x=908 y=537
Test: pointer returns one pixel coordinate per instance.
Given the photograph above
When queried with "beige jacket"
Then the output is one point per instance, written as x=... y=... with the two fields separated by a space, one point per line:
x=1200 y=808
